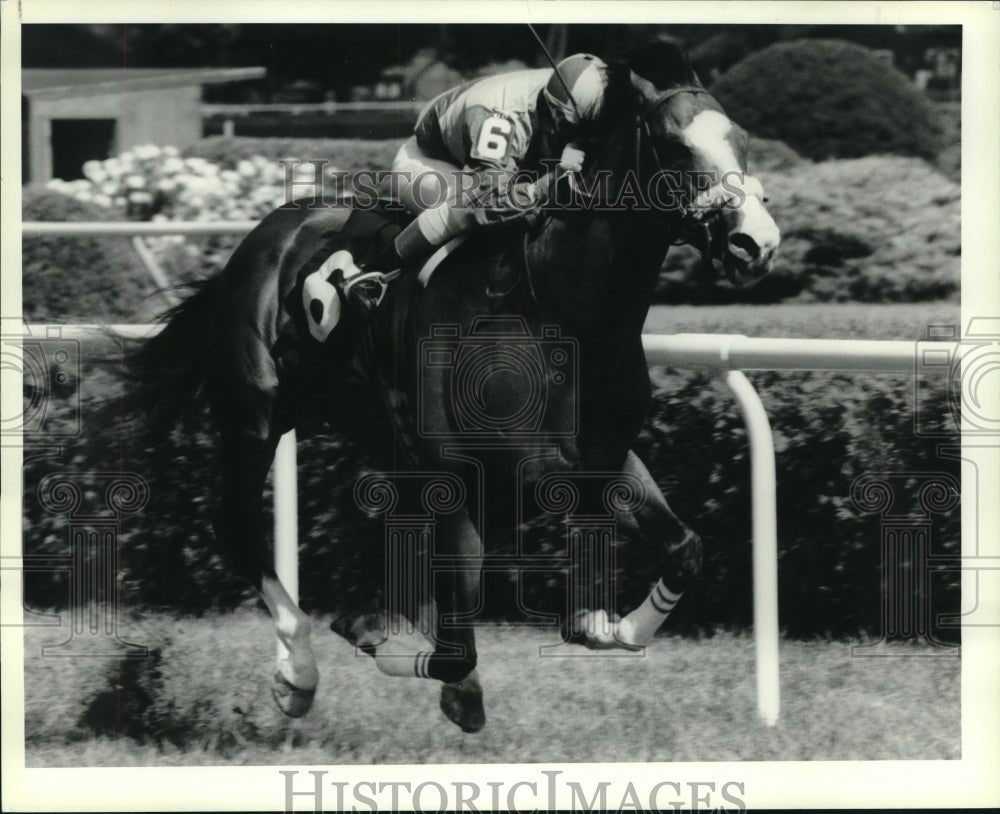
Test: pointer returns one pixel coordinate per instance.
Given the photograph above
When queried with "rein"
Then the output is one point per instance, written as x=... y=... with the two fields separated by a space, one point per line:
x=693 y=220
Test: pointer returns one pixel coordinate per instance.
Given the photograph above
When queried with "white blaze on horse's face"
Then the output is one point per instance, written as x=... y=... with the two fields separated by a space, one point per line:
x=753 y=236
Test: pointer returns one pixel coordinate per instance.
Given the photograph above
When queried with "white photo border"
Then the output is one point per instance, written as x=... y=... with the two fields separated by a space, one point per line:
x=970 y=781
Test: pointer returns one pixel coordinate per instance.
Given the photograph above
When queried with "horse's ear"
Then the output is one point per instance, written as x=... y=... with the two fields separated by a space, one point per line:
x=645 y=90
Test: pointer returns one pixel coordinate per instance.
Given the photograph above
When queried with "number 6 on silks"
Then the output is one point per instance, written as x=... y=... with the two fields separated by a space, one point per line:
x=493 y=143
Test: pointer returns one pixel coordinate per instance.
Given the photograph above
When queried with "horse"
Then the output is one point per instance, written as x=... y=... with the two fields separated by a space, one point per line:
x=577 y=284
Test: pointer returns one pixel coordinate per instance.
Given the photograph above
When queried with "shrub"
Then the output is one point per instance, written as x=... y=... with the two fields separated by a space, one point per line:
x=876 y=229
x=829 y=99
x=92 y=278
x=772 y=155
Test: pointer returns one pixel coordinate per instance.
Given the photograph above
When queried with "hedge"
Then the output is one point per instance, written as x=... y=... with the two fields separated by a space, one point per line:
x=829 y=429
x=86 y=278
x=875 y=229
x=829 y=99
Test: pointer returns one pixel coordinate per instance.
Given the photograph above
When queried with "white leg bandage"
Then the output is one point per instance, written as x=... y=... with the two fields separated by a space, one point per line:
x=640 y=625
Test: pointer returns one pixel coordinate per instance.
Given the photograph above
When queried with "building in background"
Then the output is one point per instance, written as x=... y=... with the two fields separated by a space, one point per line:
x=69 y=116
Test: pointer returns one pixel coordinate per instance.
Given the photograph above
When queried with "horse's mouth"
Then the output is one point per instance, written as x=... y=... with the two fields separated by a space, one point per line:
x=743 y=268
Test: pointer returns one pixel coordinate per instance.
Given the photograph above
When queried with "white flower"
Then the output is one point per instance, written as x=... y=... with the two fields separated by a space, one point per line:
x=109 y=188
x=172 y=164
x=94 y=171
x=246 y=168
x=166 y=185
x=171 y=151
x=135 y=181
x=127 y=159
x=140 y=197
x=102 y=200
x=145 y=152
x=83 y=195
x=113 y=167
x=56 y=184
x=229 y=175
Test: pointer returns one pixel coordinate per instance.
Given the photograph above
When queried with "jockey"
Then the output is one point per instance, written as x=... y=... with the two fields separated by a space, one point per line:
x=470 y=142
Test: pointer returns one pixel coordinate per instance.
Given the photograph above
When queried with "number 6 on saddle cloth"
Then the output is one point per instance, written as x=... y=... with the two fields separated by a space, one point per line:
x=335 y=273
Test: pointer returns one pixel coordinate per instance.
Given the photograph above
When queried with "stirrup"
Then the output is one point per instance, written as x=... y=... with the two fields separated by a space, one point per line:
x=367 y=290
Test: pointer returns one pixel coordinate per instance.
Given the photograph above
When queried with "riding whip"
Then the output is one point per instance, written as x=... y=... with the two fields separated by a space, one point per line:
x=555 y=67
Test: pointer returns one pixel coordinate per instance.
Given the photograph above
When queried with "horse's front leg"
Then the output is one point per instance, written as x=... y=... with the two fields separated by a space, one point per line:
x=680 y=568
x=239 y=530
x=458 y=601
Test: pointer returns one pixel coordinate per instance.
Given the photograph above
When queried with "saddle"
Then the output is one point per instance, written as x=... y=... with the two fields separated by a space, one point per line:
x=339 y=269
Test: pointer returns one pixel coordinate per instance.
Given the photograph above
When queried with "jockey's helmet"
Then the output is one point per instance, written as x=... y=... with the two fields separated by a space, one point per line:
x=586 y=76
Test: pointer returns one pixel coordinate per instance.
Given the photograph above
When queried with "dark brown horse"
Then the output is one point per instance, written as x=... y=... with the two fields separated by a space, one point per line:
x=518 y=369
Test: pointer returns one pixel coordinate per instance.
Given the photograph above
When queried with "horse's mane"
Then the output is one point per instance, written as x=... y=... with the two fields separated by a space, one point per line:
x=662 y=61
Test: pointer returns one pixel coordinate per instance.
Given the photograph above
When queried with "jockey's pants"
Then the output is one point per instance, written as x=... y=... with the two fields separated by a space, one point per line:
x=429 y=186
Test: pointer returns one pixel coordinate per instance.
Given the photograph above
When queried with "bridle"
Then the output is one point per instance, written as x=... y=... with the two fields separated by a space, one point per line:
x=696 y=222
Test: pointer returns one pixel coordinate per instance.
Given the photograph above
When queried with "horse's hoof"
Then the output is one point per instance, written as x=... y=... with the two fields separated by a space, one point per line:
x=572 y=630
x=462 y=703
x=291 y=700
x=596 y=630
x=364 y=630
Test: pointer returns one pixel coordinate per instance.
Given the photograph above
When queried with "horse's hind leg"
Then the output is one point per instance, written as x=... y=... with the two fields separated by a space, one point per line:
x=681 y=566
x=456 y=594
x=239 y=529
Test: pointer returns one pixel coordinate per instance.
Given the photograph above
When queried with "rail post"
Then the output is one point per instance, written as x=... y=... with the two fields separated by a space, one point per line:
x=284 y=473
x=764 y=499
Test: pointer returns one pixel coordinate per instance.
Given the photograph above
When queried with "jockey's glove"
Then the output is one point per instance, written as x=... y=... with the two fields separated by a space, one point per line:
x=572 y=158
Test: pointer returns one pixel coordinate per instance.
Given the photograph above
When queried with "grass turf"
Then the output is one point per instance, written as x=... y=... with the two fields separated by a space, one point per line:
x=206 y=701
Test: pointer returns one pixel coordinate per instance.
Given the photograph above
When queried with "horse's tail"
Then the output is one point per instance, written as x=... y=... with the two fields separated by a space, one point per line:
x=166 y=376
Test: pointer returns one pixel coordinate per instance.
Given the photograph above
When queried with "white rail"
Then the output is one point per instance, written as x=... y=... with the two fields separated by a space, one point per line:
x=730 y=354
x=735 y=352
x=296 y=108
x=136 y=228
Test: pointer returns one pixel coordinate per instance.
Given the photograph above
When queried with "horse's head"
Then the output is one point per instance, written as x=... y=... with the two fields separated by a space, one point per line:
x=697 y=160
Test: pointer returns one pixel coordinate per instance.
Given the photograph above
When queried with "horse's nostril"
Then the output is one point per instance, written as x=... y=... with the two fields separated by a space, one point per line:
x=745 y=245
